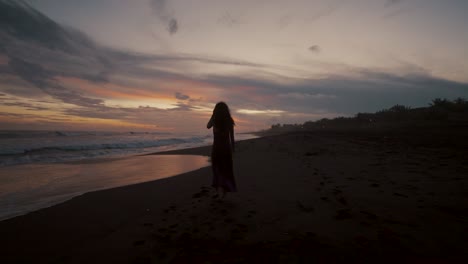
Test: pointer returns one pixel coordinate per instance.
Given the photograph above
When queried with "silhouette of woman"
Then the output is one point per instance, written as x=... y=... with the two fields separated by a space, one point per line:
x=223 y=146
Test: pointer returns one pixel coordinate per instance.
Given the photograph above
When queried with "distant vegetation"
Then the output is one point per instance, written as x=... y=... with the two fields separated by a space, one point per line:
x=439 y=112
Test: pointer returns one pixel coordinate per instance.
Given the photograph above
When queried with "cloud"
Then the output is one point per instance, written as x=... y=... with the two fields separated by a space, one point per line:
x=285 y=20
x=365 y=91
x=227 y=19
x=181 y=96
x=327 y=11
x=315 y=48
x=36 y=67
x=28 y=105
x=260 y=112
x=30 y=72
x=307 y=96
x=43 y=79
x=27 y=24
x=395 y=8
x=389 y=3
x=161 y=11
x=183 y=107
x=172 y=27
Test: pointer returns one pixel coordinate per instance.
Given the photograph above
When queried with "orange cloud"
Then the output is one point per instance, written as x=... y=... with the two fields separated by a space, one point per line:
x=164 y=96
x=110 y=90
x=31 y=121
x=4 y=60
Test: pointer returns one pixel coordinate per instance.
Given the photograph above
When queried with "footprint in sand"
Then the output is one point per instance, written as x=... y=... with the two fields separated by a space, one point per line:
x=337 y=191
x=142 y=260
x=171 y=208
x=369 y=215
x=308 y=154
x=242 y=227
x=362 y=241
x=251 y=213
x=139 y=242
x=401 y=195
x=236 y=234
x=224 y=212
x=239 y=231
x=343 y=201
x=343 y=214
x=202 y=193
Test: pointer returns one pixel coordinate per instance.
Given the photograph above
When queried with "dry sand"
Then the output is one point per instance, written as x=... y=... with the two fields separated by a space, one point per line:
x=303 y=198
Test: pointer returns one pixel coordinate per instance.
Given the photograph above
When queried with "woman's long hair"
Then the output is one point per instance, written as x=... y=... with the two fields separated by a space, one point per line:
x=222 y=116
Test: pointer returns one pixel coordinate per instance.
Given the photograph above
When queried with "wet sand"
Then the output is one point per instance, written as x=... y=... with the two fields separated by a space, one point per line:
x=303 y=198
x=29 y=187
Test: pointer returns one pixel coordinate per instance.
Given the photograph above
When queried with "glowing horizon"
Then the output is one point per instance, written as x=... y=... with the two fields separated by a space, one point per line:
x=79 y=65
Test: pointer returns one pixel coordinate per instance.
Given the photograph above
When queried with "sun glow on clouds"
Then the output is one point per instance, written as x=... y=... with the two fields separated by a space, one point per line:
x=284 y=75
x=260 y=112
x=121 y=96
x=139 y=103
x=20 y=117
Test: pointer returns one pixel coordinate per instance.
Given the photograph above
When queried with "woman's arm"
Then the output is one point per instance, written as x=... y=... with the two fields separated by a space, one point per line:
x=210 y=123
x=231 y=133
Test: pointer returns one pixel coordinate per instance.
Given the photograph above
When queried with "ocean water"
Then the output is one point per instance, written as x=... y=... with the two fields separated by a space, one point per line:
x=39 y=169
x=25 y=147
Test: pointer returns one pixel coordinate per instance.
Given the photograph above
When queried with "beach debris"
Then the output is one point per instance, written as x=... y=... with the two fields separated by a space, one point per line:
x=342 y=200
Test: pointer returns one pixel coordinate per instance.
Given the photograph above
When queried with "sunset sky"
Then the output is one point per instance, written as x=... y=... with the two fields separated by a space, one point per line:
x=161 y=65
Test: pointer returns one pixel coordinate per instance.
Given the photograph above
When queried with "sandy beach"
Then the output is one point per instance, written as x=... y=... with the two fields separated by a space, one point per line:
x=308 y=197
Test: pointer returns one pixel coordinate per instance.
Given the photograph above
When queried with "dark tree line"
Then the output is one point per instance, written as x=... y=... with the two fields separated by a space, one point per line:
x=439 y=111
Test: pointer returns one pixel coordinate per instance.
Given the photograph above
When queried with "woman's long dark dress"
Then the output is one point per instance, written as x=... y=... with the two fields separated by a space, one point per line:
x=221 y=159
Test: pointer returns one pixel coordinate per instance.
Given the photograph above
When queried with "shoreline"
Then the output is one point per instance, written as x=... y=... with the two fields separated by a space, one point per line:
x=31 y=187
x=320 y=197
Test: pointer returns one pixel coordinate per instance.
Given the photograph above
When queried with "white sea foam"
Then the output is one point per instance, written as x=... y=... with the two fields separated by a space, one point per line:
x=22 y=147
